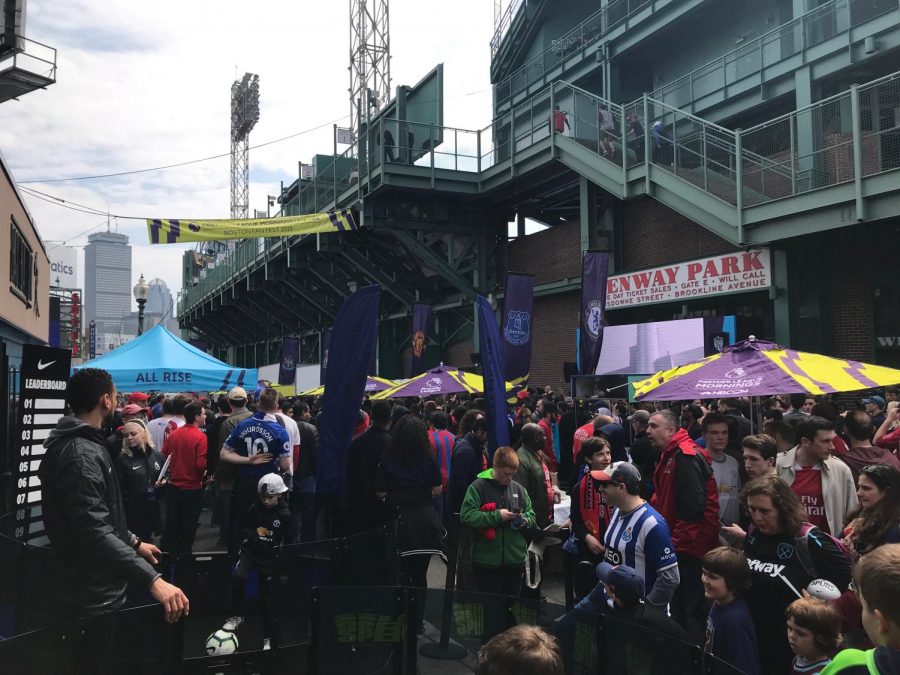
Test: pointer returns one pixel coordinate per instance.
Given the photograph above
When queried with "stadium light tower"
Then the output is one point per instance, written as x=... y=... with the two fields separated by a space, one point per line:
x=370 y=60
x=244 y=116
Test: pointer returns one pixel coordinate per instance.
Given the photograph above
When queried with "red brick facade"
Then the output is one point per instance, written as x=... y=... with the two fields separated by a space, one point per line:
x=550 y=255
x=655 y=235
x=851 y=312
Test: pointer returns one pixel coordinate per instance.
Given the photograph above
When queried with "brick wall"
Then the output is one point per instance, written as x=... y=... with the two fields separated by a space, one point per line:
x=851 y=309
x=551 y=254
x=655 y=235
x=555 y=323
x=458 y=355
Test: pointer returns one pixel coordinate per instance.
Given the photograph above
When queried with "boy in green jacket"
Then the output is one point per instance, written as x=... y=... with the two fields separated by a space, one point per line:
x=498 y=509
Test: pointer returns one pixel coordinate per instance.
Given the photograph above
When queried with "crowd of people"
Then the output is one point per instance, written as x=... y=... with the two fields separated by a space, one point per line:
x=733 y=527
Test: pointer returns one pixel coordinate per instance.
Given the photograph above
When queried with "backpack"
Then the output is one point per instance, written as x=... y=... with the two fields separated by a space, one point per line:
x=801 y=545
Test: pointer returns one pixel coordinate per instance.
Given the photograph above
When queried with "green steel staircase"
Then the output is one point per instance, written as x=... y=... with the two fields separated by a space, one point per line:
x=818 y=168
x=826 y=166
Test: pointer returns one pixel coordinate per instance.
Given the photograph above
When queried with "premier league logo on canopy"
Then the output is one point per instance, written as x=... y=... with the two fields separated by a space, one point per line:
x=518 y=327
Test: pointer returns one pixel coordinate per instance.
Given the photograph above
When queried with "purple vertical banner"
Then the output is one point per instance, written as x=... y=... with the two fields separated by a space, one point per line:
x=324 y=345
x=492 y=369
x=421 y=320
x=351 y=344
x=518 y=308
x=55 y=322
x=594 y=271
x=287 y=364
x=92 y=339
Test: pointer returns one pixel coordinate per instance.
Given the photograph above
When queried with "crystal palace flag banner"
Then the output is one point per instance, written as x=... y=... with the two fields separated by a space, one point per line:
x=178 y=231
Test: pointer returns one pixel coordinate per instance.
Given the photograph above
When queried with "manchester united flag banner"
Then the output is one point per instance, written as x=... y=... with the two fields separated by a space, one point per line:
x=178 y=231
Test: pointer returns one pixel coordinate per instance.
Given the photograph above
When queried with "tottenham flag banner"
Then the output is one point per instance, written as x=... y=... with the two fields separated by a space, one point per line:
x=178 y=231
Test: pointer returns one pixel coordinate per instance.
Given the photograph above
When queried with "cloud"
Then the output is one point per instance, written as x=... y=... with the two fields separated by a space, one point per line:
x=146 y=84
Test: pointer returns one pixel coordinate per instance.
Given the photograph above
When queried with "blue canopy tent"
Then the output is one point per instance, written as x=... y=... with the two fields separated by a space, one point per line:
x=160 y=361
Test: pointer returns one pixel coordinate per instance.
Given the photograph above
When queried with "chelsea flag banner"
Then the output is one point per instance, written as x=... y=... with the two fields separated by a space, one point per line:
x=178 y=231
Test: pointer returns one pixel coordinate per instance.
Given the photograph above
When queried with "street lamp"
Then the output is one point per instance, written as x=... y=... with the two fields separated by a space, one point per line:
x=141 y=291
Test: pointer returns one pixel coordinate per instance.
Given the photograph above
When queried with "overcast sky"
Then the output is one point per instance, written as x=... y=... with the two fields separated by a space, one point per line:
x=146 y=84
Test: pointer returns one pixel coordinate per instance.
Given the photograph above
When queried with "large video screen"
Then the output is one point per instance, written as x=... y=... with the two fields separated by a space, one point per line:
x=646 y=348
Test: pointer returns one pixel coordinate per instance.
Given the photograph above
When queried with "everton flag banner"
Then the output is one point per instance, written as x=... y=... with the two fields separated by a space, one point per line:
x=421 y=319
x=492 y=368
x=594 y=271
x=178 y=231
x=518 y=307
x=287 y=365
x=353 y=339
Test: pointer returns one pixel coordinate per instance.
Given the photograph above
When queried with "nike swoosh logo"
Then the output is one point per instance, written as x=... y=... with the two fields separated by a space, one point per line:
x=42 y=365
x=135 y=468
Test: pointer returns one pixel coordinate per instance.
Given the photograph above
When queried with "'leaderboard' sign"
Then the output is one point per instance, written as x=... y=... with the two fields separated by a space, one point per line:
x=42 y=401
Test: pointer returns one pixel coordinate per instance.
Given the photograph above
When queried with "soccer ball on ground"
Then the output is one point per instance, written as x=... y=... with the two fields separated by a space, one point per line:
x=221 y=643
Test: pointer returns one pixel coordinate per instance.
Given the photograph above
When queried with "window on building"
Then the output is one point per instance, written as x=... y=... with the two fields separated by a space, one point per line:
x=21 y=264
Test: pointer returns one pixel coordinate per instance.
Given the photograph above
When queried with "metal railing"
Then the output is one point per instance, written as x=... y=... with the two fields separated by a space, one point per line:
x=29 y=56
x=808 y=30
x=588 y=32
x=505 y=22
x=841 y=139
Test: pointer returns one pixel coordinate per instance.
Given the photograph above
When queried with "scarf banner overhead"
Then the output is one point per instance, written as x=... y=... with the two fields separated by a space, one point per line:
x=594 y=270
x=178 y=231
x=420 y=320
x=518 y=307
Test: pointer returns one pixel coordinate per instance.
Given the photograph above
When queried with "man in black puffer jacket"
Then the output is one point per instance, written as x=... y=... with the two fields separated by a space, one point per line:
x=93 y=555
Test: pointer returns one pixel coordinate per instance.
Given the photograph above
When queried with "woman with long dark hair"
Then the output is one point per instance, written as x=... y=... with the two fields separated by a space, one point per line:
x=785 y=553
x=409 y=479
x=877 y=519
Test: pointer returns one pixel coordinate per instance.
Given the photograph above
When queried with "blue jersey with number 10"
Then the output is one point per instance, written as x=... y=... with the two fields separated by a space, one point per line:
x=256 y=435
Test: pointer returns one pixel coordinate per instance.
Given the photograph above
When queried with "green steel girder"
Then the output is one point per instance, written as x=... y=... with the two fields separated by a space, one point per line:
x=239 y=307
x=283 y=303
x=292 y=282
x=365 y=267
x=287 y=304
x=436 y=261
x=226 y=328
x=325 y=280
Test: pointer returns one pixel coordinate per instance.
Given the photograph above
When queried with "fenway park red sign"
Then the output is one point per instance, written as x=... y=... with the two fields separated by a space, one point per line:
x=730 y=273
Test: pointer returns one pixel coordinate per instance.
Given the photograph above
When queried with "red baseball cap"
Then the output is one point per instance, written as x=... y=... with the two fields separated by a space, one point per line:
x=138 y=397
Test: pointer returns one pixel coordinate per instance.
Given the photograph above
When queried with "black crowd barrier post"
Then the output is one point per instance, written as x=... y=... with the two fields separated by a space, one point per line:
x=568 y=573
x=414 y=596
x=443 y=650
x=315 y=631
x=176 y=647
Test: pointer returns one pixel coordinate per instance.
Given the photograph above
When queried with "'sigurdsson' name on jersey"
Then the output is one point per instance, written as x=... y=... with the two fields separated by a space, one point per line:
x=260 y=430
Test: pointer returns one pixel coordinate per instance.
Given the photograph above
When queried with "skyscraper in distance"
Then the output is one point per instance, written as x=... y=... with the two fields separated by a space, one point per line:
x=107 y=286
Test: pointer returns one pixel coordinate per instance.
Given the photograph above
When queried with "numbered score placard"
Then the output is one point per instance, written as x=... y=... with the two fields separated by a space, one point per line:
x=42 y=401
